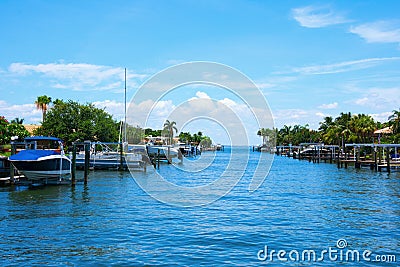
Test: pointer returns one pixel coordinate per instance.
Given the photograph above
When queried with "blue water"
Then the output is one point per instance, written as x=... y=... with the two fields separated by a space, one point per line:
x=112 y=221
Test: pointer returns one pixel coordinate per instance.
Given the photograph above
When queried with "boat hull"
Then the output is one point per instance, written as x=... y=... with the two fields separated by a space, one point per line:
x=47 y=169
x=108 y=161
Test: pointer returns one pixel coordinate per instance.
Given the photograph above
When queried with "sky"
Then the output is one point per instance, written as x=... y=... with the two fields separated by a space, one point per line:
x=310 y=59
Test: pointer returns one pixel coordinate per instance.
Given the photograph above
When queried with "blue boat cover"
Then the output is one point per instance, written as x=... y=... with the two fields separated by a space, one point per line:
x=37 y=138
x=33 y=154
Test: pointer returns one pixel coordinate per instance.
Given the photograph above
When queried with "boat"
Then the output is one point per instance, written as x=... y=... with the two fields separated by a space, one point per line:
x=188 y=150
x=43 y=160
x=162 y=151
x=4 y=167
x=107 y=156
x=219 y=147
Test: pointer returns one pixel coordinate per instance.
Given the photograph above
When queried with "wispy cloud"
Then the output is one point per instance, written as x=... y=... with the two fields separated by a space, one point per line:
x=378 y=32
x=317 y=16
x=379 y=98
x=77 y=76
x=329 y=106
x=382 y=117
x=343 y=66
x=28 y=112
x=321 y=115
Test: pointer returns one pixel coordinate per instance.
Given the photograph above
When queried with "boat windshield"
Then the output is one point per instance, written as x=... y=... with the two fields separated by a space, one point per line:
x=43 y=144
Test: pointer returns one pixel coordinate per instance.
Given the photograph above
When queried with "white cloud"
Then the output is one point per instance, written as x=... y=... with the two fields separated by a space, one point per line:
x=113 y=107
x=379 y=98
x=28 y=112
x=329 y=106
x=381 y=117
x=362 y=101
x=78 y=76
x=317 y=16
x=292 y=117
x=149 y=113
x=321 y=115
x=290 y=114
x=378 y=32
x=343 y=66
x=234 y=116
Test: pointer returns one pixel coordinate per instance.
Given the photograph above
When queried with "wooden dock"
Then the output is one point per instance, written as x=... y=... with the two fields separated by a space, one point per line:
x=350 y=155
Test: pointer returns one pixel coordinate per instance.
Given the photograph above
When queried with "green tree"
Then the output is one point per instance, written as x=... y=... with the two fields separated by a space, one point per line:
x=135 y=135
x=42 y=103
x=268 y=136
x=149 y=131
x=3 y=130
x=72 y=121
x=205 y=142
x=17 y=121
x=17 y=129
x=8 y=130
x=363 y=127
x=323 y=126
x=394 y=121
x=170 y=128
x=185 y=137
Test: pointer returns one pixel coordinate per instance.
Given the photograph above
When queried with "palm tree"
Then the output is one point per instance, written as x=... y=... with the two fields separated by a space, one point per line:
x=328 y=121
x=169 y=128
x=17 y=121
x=363 y=126
x=394 y=121
x=287 y=134
x=42 y=103
x=263 y=133
x=332 y=134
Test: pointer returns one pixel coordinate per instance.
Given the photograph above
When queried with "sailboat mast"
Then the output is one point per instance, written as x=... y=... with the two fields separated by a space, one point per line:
x=125 y=111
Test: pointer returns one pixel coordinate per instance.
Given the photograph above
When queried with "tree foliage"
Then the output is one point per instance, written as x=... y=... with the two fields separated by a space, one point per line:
x=268 y=136
x=149 y=131
x=196 y=138
x=346 y=128
x=169 y=129
x=42 y=104
x=72 y=121
x=8 y=130
x=134 y=135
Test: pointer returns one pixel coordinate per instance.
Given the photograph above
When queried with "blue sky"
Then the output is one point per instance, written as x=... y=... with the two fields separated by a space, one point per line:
x=310 y=58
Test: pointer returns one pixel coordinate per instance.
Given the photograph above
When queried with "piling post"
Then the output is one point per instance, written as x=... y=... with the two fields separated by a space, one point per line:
x=379 y=155
x=158 y=158
x=357 y=164
x=388 y=159
x=338 y=159
x=169 y=155
x=12 y=178
x=313 y=155
x=375 y=160
x=73 y=170
x=121 y=165
x=87 y=161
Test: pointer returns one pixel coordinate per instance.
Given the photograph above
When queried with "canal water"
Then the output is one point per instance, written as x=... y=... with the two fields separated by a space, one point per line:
x=315 y=214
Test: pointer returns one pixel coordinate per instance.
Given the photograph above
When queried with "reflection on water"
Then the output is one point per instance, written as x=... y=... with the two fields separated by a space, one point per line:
x=300 y=205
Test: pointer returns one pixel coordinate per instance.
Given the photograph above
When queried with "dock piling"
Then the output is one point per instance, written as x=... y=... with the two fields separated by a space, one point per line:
x=12 y=170
x=121 y=165
x=87 y=161
x=158 y=158
x=388 y=159
x=73 y=167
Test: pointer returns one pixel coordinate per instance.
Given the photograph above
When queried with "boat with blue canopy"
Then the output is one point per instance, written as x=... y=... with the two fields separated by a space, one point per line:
x=43 y=160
